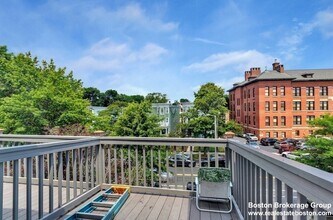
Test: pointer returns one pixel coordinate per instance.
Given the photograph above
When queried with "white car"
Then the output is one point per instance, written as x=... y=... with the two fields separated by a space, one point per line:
x=293 y=155
x=253 y=144
x=164 y=177
x=250 y=136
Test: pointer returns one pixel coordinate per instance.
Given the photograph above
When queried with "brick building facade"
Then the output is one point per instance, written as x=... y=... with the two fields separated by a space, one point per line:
x=279 y=103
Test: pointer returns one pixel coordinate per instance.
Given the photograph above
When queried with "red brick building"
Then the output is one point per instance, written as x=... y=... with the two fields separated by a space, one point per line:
x=279 y=103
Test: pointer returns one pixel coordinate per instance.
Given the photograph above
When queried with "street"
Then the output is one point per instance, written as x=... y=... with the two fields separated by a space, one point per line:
x=181 y=180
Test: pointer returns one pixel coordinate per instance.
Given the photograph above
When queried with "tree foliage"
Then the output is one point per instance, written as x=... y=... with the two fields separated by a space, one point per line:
x=320 y=154
x=325 y=125
x=156 y=97
x=137 y=120
x=321 y=150
x=199 y=121
x=98 y=98
x=35 y=98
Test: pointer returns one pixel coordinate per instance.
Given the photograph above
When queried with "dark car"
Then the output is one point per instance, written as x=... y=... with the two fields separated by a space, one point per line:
x=179 y=161
x=268 y=141
x=189 y=186
x=286 y=146
x=221 y=162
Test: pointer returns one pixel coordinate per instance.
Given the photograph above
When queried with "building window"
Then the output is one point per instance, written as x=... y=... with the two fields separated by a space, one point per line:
x=323 y=91
x=249 y=106
x=297 y=105
x=267 y=91
x=267 y=121
x=253 y=92
x=297 y=120
x=310 y=105
x=283 y=106
x=244 y=106
x=248 y=93
x=275 y=106
x=267 y=134
x=323 y=105
x=238 y=112
x=275 y=134
x=283 y=120
x=275 y=121
x=254 y=106
x=283 y=134
x=249 y=119
x=266 y=106
x=296 y=133
x=297 y=91
x=282 y=91
x=254 y=120
x=309 y=91
x=310 y=132
x=238 y=101
x=310 y=118
x=274 y=92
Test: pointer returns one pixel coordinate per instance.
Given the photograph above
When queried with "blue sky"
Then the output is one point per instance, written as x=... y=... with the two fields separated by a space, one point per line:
x=171 y=47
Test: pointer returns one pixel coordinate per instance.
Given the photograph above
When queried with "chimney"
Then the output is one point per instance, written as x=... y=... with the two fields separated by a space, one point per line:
x=281 y=69
x=255 y=71
x=278 y=67
x=247 y=75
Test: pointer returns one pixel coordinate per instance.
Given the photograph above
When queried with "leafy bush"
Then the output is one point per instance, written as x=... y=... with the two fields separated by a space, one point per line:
x=211 y=174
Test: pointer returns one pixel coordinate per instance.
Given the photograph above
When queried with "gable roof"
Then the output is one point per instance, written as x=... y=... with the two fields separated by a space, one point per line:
x=293 y=75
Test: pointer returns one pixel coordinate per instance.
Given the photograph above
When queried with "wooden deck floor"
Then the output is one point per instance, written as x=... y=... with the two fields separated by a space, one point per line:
x=145 y=206
x=8 y=200
x=137 y=206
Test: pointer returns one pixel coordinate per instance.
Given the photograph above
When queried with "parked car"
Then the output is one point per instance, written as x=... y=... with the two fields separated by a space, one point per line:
x=268 y=141
x=283 y=142
x=293 y=141
x=221 y=162
x=164 y=177
x=294 y=155
x=253 y=144
x=286 y=146
x=189 y=186
x=250 y=136
x=179 y=161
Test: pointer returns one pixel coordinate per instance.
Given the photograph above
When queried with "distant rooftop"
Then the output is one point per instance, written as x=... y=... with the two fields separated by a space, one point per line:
x=278 y=73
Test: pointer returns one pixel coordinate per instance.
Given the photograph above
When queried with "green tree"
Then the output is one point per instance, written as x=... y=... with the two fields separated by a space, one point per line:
x=106 y=119
x=156 y=97
x=325 y=125
x=234 y=127
x=38 y=97
x=137 y=120
x=199 y=121
x=320 y=154
x=184 y=100
x=321 y=150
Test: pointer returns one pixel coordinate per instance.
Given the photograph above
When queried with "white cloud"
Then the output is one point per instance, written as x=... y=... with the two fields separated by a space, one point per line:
x=131 y=15
x=291 y=44
x=228 y=83
x=324 y=21
x=236 y=61
x=203 y=40
x=106 y=55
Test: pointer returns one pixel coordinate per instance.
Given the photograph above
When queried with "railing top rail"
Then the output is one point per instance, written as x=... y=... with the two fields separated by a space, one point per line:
x=165 y=141
x=309 y=181
x=31 y=150
x=38 y=138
